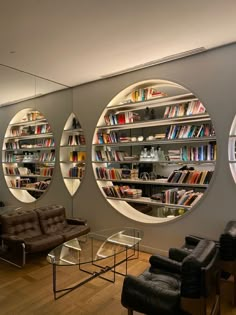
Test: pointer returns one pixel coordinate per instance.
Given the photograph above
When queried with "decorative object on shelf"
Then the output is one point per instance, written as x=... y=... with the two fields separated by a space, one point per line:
x=28 y=155
x=75 y=123
x=152 y=127
x=73 y=153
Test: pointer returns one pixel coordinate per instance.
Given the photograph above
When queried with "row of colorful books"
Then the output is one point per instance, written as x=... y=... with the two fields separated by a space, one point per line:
x=46 y=171
x=144 y=94
x=76 y=140
x=26 y=144
x=184 y=109
x=12 y=170
x=122 y=192
x=181 y=197
x=205 y=152
x=110 y=155
x=121 y=118
x=189 y=131
x=30 y=130
x=77 y=171
x=190 y=177
x=178 y=196
x=172 y=132
x=47 y=157
x=19 y=182
x=104 y=138
x=76 y=156
x=169 y=196
x=41 y=185
x=116 y=173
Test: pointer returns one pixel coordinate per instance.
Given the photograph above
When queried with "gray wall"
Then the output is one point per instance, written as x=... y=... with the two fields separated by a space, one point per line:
x=211 y=76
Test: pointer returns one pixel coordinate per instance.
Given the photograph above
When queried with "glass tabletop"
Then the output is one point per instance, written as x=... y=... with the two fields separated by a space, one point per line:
x=95 y=246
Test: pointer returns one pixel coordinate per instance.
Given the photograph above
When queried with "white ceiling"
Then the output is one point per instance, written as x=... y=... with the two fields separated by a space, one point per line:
x=76 y=41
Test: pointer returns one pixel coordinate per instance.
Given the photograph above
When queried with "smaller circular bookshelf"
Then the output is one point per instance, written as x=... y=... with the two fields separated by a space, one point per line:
x=232 y=149
x=154 y=151
x=72 y=154
x=28 y=155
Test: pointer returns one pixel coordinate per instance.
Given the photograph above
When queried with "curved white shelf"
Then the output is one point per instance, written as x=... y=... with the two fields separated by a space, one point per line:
x=72 y=154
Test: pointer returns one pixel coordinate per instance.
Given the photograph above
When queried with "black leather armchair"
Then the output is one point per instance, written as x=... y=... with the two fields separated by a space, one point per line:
x=178 y=284
x=227 y=245
x=227 y=249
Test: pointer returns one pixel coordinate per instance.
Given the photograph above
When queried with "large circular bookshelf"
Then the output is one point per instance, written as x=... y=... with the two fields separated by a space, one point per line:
x=28 y=155
x=154 y=151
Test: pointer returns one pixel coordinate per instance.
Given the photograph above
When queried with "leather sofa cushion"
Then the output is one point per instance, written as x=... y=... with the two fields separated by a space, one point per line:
x=152 y=293
x=52 y=218
x=23 y=224
x=42 y=242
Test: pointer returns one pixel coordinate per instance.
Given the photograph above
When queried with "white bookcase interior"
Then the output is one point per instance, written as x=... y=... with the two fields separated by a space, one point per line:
x=72 y=154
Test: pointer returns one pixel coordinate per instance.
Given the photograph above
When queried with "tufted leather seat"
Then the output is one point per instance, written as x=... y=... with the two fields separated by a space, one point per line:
x=24 y=226
x=53 y=221
x=178 y=284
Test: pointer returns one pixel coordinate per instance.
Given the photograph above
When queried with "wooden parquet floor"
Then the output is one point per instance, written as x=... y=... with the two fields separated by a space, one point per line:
x=28 y=291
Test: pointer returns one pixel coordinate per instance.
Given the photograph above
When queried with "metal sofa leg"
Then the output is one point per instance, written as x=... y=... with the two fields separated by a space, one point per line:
x=12 y=262
x=23 y=254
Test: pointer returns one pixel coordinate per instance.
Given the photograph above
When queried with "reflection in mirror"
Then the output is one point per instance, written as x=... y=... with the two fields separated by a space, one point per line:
x=16 y=86
x=28 y=155
x=154 y=151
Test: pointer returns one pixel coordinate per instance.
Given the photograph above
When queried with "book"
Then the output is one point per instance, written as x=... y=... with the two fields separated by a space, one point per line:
x=197 y=198
x=167 y=111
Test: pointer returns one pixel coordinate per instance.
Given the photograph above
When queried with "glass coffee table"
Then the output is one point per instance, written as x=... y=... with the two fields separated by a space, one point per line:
x=102 y=250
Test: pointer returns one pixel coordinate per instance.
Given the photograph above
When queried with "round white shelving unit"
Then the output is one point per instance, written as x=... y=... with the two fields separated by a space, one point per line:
x=154 y=151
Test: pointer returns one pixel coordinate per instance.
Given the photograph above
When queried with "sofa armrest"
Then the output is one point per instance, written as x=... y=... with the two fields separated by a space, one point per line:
x=178 y=254
x=76 y=221
x=11 y=239
x=165 y=263
x=13 y=250
x=192 y=240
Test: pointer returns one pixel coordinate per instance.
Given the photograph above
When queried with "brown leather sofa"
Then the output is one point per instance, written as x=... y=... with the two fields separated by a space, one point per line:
x=31 y=231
